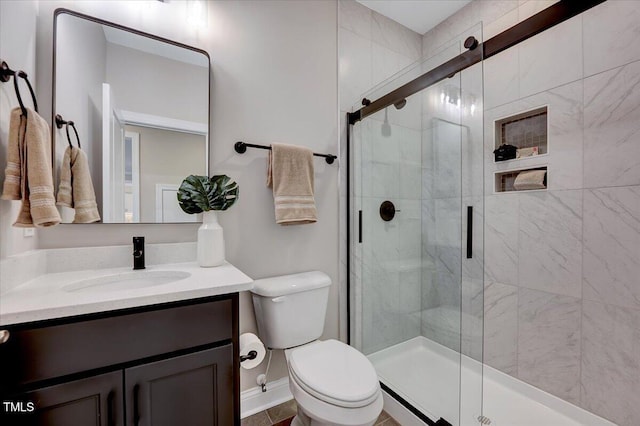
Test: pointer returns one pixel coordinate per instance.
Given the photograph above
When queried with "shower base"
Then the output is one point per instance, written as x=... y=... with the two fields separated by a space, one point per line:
x=428 y=376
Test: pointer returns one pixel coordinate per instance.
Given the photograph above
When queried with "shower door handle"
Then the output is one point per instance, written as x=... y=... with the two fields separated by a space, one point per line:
x=469 y=232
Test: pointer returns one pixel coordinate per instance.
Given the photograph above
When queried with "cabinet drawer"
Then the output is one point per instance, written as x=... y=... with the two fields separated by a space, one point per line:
x=41 y=353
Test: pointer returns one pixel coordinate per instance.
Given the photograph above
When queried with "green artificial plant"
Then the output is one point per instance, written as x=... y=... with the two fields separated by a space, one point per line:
x=199 y=194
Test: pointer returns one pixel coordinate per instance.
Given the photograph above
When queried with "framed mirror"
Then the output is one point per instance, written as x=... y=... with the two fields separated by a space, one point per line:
x=140 y=106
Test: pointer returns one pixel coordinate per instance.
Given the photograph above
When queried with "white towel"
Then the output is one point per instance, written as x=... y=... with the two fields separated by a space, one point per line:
x=290 y=175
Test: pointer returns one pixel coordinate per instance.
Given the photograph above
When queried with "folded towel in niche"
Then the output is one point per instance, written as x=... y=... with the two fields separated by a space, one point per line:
x=76 y=188
x=290 y=174
x=28 y=176
x=530 y=179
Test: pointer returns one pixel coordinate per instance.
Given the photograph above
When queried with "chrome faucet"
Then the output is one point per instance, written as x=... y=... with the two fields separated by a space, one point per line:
x=138 y=252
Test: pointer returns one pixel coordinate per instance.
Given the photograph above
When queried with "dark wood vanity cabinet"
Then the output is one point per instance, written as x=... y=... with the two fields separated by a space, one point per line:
x=95 y=400
x=164 y=365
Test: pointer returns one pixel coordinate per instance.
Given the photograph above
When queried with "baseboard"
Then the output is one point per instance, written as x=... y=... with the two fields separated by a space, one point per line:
x=253 y=400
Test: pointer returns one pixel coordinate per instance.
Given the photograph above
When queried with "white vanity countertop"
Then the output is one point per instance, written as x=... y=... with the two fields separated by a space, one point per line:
x=45 y=297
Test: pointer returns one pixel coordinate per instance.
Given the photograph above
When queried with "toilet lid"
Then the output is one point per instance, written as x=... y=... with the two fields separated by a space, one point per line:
x=335 y=373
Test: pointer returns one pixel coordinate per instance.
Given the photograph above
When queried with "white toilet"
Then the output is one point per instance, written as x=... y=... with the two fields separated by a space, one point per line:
x=333 y=383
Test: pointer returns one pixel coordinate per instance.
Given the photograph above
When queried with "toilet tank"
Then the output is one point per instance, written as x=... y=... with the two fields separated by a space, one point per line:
x=290 y=309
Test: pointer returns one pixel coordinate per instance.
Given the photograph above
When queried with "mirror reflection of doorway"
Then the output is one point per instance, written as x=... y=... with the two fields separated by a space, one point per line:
x=165 y=158
x=142 y=153
x=131 y=177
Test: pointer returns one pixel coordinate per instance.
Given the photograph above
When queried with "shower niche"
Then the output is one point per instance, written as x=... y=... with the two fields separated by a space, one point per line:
x=520 y=139
x=527 y=131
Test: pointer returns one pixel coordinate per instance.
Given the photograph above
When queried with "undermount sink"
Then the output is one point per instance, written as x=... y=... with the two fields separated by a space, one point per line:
x=127 y=281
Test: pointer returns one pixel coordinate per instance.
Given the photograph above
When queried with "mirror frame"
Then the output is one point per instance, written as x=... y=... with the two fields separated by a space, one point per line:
x=60 y=11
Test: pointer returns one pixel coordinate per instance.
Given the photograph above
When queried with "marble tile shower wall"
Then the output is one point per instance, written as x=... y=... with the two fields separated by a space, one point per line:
x=372 y=48
x=562 y=295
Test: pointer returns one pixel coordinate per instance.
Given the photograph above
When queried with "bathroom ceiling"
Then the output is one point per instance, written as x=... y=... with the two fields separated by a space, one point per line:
x=419 y=15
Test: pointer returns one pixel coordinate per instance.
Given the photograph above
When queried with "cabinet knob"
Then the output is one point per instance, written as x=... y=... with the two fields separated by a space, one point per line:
x=4 y=336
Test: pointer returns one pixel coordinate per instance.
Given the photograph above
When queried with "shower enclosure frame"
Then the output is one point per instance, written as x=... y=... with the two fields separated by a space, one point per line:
x=476 y=52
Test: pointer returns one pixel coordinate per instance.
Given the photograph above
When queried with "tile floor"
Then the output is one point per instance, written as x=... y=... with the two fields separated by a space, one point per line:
x=281 y=415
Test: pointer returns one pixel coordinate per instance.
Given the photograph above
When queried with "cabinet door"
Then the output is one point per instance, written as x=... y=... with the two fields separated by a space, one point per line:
x=96 y=401
x=194 y=389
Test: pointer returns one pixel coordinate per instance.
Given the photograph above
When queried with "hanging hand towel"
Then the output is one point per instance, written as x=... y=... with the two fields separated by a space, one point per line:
x=13 y=173
x=33 y=142
x=65 y=193
x=290 y=175
x=76 y=188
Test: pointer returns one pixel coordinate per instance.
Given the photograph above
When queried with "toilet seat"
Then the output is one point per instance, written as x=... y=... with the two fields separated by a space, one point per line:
x=334 y=373
x=327 y=414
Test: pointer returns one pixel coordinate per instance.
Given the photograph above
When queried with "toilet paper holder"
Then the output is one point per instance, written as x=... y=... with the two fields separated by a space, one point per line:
x=250 y=355
x=251 y=350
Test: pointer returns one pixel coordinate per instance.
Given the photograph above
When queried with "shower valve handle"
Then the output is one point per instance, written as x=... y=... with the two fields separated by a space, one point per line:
x=388 y=210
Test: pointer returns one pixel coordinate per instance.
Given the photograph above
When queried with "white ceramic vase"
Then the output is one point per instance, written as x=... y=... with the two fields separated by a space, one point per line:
x=210 y=241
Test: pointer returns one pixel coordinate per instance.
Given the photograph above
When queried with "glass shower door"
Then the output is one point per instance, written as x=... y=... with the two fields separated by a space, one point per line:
x=417 y=167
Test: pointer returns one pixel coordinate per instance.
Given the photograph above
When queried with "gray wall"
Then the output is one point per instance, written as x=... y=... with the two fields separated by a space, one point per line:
x=274 y=80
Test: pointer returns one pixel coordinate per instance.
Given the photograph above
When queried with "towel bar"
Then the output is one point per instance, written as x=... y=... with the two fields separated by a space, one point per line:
x=241 y=148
